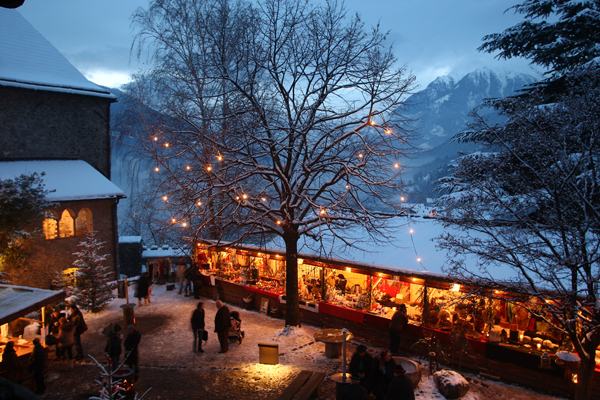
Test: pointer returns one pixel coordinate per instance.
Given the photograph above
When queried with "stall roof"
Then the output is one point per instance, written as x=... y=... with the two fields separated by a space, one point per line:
x=17 y=301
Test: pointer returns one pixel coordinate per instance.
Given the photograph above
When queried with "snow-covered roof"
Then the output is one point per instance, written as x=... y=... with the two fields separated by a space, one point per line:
x=130 y=239
x=163 y=252
x=67 y=180
x=17 y=301
x=28 y=60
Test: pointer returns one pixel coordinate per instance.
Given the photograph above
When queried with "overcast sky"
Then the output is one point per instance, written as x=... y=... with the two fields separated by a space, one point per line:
x=432 y=37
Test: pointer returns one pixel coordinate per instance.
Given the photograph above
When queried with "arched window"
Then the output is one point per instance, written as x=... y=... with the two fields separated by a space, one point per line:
x=66 y=226
x=51 y=225
x=83 y=223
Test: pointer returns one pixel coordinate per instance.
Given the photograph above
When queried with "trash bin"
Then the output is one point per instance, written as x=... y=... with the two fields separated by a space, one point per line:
x=248 y=302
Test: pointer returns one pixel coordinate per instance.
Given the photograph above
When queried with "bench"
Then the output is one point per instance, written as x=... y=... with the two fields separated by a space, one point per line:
x=303 y=387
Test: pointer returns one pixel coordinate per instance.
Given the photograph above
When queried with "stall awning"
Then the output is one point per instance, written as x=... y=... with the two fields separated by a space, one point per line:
x=17 y=301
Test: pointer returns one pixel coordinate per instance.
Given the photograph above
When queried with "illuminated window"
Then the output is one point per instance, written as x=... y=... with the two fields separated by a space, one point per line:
x=83 y=223
x=66 y=226
x=51 y=226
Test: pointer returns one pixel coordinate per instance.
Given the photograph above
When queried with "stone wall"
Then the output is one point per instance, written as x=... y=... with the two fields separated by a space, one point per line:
x=37 y=124
x=48 y=256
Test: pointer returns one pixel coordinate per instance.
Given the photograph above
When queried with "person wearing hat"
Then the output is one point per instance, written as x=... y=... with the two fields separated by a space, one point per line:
x=400 y=387
x=113 y=345
x=353 y=391
x=383 y=373
x=131 y=347
x=340 y=283
x=361 y=364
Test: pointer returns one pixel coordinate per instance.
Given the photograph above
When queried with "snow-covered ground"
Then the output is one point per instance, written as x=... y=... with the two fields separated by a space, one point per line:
x=167 y=343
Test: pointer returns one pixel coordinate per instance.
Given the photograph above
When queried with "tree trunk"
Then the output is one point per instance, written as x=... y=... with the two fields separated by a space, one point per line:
x=292 y=315
x=583 y=388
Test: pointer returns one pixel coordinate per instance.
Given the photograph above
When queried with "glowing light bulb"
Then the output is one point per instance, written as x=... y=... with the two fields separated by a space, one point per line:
x=199 y=203
x=156 y=169
x=237 y=197
x=155 y=138
x=244 y=196
x=347 y=186
x=188 y=167
x=418 y=259
x=263 y=198
x=165 y=198
x=209 y=168
x=166 y=144
x=402 y=198
x=388 y=131
x=373 y=123
x=173 y=220
x=219 y=158
x=360 y=155
x=278 y=222
x=184 y=224
x=396 y=165
x=411 y=231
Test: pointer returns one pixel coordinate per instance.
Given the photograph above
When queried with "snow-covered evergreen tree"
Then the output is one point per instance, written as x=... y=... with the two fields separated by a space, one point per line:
x=93 y=289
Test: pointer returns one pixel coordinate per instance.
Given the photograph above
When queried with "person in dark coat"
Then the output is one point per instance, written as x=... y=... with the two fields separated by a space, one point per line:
x=198 y=326
x=361 y=365
x=78 y=322
x=353 y=391
x=11 y=363
x=66 y=339
x=397 y=324
x=37 y=363
x=142 y=289
x=222 y=325
x=53 y=329
x=383 y=373
x=400 y=387
x=113 y=345
x=131 y=344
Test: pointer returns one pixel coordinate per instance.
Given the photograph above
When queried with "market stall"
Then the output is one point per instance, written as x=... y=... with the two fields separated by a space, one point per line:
x=16 y=303
x=466 y=325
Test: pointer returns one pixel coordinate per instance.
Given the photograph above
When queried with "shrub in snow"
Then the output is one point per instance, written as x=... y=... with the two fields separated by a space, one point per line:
x=451 y=384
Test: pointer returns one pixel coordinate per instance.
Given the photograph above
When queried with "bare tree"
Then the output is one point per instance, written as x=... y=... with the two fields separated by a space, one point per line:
x=278 y=124
x=533 y=206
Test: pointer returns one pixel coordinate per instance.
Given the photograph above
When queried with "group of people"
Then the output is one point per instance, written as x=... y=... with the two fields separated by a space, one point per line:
x=186 y=276
x=222 y=326
x=64 y=332
x=114 y=349
x=379 y=375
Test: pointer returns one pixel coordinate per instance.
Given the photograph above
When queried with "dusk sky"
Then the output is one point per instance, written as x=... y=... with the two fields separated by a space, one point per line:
x=431 y=37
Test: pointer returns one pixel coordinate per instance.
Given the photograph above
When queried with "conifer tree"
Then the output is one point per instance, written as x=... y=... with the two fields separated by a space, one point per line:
x=93 y=287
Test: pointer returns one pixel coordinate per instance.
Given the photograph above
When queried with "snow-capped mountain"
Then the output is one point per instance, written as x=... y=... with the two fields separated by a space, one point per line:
x=442 y=109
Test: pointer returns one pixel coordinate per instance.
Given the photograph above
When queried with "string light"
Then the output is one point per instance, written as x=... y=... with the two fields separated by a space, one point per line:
x=263 y=198
x=402 y=198
x=396 y=165
x=209 y=168
x=188 y=167
x=184 y=224
x=418 y=259
x=360 y=155
x=166 y=144
x=388 y=131
x=155 y=138
x=411 y=231
x=373 y=123
x=199 y=203
x=165 y=198
x=219 y=158
x=244 y=196
x=278 y=222
x=156 y=169
x=173 y=220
